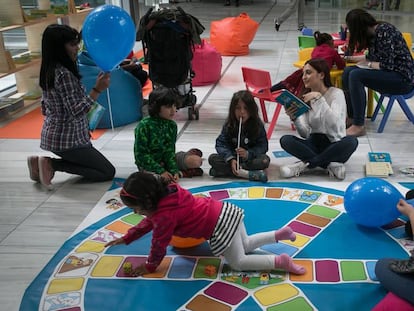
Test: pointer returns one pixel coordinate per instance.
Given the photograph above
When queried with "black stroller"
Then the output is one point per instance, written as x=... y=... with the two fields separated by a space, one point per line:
x=168 y=37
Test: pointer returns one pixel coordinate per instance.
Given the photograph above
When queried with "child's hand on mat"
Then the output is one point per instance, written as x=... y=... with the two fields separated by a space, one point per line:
x=115 y=242
x=140 y=270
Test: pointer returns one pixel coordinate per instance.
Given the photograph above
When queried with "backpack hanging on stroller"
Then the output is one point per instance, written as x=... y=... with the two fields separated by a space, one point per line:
x=168 y=37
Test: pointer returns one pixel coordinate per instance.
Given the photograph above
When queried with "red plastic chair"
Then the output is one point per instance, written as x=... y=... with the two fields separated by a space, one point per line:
x=258 y=83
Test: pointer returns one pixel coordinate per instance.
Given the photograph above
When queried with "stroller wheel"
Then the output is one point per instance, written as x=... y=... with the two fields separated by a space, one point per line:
x=190 y=112
x=193 y=113
x=193 y=100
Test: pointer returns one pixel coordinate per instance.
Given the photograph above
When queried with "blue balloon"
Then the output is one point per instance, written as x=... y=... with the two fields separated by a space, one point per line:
x=372 y=202
x=109 y=35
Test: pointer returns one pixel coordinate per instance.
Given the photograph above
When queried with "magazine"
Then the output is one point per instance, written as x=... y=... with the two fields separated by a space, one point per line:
x=287 y=99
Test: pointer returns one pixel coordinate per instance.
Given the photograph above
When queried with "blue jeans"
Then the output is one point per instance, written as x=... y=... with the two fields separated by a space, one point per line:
x=317 y=150
x=354 y=81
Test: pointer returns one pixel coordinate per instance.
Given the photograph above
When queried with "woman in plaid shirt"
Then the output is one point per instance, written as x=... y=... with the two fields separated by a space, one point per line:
x=65 y=105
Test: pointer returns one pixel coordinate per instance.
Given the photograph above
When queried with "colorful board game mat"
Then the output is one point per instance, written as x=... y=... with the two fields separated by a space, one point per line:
x=339 y=256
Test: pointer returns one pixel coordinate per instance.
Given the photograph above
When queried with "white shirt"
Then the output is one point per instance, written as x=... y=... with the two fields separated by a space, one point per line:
x=327 y=116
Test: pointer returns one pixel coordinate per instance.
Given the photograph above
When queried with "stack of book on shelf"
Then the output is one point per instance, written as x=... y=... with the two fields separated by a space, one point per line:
x=11 y=104
x=378 y=165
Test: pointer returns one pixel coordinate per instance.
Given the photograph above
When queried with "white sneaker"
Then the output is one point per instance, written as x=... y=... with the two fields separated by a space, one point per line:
x=337 y=170
x=294 y=169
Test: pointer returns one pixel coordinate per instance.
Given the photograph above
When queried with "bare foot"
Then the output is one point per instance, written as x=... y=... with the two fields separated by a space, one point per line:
x=356 y=130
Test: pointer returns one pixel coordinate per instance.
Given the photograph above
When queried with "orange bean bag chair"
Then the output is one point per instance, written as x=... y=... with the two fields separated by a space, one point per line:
x=231 y=36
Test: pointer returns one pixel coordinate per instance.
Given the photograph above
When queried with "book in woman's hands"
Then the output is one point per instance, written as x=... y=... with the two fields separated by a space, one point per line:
x=287 y=99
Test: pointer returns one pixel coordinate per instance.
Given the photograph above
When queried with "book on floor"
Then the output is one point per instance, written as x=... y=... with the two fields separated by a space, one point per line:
x=378 y=165
x=379 y=157
x=288 y=99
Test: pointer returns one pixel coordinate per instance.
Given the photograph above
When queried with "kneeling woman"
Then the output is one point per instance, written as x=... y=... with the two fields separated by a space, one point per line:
x=323 y=142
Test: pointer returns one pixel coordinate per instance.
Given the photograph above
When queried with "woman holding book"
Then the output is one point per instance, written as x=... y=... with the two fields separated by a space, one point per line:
x=323 y=141
x=65 y=105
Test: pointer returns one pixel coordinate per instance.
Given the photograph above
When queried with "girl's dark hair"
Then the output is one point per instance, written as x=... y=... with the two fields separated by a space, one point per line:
x=358 y=21
x=143 y=190
x=162 y=96
x=54 y=52
x=322 y=38
x=252 y=125
x=320 y=65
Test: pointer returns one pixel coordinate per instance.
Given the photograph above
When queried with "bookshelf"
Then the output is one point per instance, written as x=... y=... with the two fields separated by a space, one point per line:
x=26 y=65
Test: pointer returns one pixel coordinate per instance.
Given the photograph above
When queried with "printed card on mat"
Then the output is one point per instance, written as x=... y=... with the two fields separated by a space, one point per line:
x=287 y=99
x=95 y=115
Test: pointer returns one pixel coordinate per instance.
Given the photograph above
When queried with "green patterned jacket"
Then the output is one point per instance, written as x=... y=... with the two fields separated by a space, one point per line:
x=154 y=147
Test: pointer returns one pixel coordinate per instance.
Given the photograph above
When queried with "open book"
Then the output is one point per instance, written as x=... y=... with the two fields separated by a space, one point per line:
x=287 y=99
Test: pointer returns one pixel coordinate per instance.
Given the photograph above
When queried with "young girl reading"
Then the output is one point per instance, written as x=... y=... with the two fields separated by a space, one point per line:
x=171 y=210
x=156 y=136
x=242 y=144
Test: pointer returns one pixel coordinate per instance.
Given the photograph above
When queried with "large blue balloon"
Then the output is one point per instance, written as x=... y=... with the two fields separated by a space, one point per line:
x=109 y=35
x=372 y=202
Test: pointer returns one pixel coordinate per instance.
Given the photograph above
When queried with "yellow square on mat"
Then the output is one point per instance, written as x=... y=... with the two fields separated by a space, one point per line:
x=107 y=266
x=256 y=192
x=65 y=285
x=300 y=241
x=274 y=294
x=90 y=246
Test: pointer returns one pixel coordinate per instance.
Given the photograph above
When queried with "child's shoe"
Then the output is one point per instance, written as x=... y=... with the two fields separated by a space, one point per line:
x=258 y=175
x=46 y=172
x=191 y=172
x=195 y=151
x=337 y=170
x=33 y=165
x=403 y=266
x=292 y=170
x=212 y=172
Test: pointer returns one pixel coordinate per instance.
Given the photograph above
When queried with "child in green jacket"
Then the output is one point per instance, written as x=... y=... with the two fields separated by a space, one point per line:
x=155 y=138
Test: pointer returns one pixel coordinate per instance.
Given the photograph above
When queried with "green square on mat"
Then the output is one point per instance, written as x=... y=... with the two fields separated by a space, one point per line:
x=296 y=304
x=353 y=271
x=323 y=211
x=201 y=265
x=132 y=219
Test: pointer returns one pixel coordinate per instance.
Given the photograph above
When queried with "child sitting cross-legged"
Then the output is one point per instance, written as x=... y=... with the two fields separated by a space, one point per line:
x=171 y=210
x=155 y=139
x=242 y=144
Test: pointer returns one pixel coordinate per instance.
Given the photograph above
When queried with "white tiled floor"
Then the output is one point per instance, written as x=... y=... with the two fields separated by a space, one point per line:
x=34 y=223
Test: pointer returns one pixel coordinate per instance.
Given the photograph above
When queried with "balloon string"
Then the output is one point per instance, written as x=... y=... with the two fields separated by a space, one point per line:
x=238 y=144
x=108 y=97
